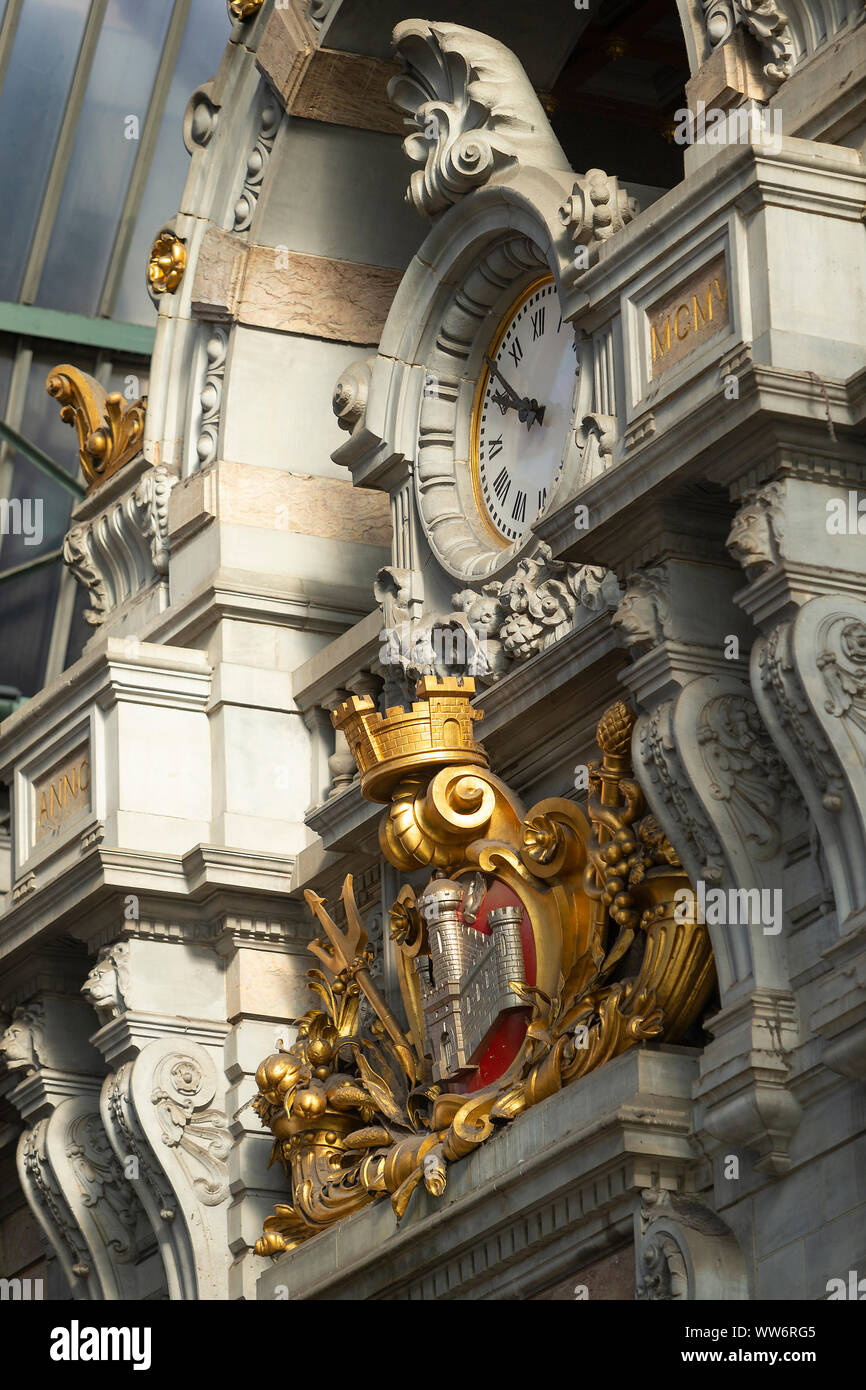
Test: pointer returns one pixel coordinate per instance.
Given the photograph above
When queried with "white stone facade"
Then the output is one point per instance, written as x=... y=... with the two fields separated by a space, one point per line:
x=245 y=571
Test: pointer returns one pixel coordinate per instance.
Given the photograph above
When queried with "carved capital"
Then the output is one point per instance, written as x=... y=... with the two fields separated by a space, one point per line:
x=110 y=428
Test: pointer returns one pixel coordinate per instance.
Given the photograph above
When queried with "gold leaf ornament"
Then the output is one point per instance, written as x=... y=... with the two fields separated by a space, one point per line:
x=110 y=428
x=166 y=263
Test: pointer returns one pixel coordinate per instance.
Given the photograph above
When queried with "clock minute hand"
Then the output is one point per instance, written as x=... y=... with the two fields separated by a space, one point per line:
x=515 y=399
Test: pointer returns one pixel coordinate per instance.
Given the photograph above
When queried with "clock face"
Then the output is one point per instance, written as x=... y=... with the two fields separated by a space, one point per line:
x=523 y=412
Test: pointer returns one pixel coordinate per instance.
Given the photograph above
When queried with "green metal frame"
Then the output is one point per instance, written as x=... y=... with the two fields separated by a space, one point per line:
x=27 y=320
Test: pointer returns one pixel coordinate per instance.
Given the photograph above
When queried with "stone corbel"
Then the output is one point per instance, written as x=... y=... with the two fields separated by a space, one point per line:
x=475 y=113
x=807 y=596
x=118 y=544
x=724 y=797
x=76 y=1188
x=765 y=20
x=684 y=1250
x=161 y=1111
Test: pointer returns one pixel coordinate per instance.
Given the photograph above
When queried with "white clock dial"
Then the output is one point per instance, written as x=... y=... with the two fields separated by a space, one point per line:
x=523 y=411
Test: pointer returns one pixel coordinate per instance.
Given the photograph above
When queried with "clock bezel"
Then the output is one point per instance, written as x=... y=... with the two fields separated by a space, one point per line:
x=548 y=278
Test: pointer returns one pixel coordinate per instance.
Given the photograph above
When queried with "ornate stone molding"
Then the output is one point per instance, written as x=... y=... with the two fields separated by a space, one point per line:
x=474 y=110
x=23 y=1042
x=110 y=428
x=684 y=1250
x=158 y=1108
x=643 y=615
x=269 y=124
x=123 y=549
x=106 y=985
x=210 y=397
x=495 y=627
x=596 y=210
x=764 y=19
x=808 y=667
x=81 y=1198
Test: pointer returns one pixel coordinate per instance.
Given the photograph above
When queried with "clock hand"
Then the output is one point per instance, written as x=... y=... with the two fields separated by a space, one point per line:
x=528 y=411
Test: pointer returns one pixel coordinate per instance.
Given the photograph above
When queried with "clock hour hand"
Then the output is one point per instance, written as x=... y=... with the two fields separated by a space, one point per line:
x=528 y=411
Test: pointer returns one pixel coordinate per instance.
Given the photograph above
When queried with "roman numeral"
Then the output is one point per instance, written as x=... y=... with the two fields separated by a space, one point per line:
x=519 y=511
x=542 y=498
x=502 y=485
x=495 y=447
x=538 y=323
x=559 y=325
x=516 y=351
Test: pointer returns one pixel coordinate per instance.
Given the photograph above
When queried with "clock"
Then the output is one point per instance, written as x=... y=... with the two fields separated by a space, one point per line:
x=522 y=412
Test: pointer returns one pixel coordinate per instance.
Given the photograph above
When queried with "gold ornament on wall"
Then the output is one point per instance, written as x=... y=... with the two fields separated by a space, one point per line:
x=553 y=928
x=166 y=263
x=244 y=9
x=110 y=428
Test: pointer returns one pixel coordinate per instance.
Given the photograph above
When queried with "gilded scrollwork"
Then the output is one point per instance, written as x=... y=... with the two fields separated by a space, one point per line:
x=110 y=428
x=580 y=944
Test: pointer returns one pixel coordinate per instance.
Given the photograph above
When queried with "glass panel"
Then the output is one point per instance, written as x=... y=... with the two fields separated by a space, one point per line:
x=45 y=505
x=26 y=618
x=201 y=50
x=31 y=109
x=120 y=85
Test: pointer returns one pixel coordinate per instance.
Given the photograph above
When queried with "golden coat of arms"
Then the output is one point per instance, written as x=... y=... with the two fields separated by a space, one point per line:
x=544 y=943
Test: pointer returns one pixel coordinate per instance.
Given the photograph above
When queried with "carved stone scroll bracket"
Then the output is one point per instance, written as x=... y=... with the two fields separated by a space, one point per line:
x=809 y=677
x=474 y=111
x=709 y=769
x=119 y=548
x=684 y=1250
x=162 y=1115
x=806 y=594
x=765 y=20
x=79 y=1193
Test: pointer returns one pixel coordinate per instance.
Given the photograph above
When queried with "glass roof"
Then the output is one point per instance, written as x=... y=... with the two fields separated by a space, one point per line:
x=92 y=163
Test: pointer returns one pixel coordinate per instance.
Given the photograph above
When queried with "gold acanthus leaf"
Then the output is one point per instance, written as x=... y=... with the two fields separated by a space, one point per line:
x=110 y=428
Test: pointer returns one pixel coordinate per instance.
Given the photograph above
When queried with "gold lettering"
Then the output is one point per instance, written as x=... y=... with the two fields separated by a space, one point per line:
x=51 y=799
x=85 y=786
x=71 y=785
x=680 y=309
x=723 y=298
x=43 y=809
x=706 y=314
x=667 y=339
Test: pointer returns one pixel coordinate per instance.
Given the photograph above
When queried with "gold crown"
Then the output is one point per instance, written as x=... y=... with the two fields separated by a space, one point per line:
x=435 y=732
